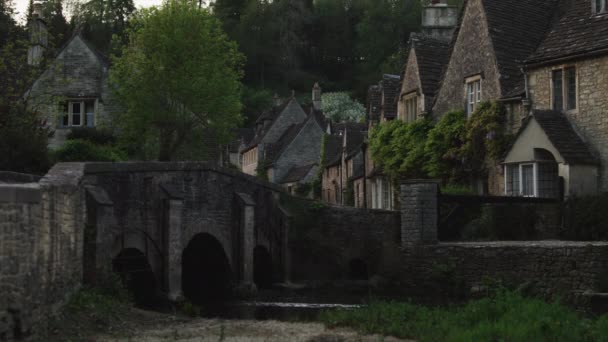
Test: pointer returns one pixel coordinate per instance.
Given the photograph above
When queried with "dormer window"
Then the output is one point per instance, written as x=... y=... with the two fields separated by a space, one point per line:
x=600 y=6
x=473 y=93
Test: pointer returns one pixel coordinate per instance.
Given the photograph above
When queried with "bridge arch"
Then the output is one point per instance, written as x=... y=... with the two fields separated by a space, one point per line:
x=136 y=274
x=206 y=271
x=262 y=267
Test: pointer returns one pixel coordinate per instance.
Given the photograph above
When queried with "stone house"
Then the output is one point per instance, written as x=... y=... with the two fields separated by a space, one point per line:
x=286 y=145
x=331 y=181
x=389 y=92
x=563 y=144
x=73 y=90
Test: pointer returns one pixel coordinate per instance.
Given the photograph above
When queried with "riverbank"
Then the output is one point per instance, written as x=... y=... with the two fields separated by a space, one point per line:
x=502 y=316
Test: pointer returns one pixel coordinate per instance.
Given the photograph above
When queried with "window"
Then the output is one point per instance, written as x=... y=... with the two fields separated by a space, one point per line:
x=473 y=95
x=564 y=88
x=77 y=113
x=411 y=109
x=536 y=179
x=385 y=196
x=600 y=6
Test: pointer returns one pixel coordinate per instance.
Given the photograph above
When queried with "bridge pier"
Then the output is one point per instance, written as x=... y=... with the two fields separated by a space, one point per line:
x=173 y=237
x=248 y=240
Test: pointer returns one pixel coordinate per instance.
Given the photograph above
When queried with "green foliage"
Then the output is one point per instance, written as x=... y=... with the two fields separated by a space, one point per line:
x=99 y=136
x=101 y=20
x=83 y=150
x=398 y=147
x=506 y=316
x=189 y=309
x=179 y=80
x=443 y=147
x=485 y=135
x=261 y=170
x=457 y=189
x=339 y=107
x=23 y=142
x=304 y=189
x=586 y=218
x=255 y=101
x=317 y=205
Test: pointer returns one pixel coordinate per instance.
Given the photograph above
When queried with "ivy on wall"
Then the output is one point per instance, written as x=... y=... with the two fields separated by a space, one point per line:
x=446 y=150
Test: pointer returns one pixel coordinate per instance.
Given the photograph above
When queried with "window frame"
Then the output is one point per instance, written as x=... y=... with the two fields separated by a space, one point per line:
x=411 y=106
x=473 y=93
x=565 y=88
x=603 y=7
x=520 y=191
x=69 y=103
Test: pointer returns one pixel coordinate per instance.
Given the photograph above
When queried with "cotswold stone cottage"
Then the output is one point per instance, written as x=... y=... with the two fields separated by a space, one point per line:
x=73 y=91
x=287 y=142
x=545 y=60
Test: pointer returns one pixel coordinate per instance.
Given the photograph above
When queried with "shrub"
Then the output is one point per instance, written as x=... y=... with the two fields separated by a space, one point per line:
x=586 y=218
x=97 y=136
x=23 y=141
x=82 y=150
x=457 y=189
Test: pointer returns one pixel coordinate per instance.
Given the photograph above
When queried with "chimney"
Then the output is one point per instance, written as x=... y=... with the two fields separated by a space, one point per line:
x=276 y=100
x=439 y=19
x=316 y=97
x=39 y=36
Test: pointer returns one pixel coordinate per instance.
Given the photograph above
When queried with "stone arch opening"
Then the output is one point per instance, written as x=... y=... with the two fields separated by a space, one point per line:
x=206 y=273
x=357 y=270
x=262 y=267
x=136 y=274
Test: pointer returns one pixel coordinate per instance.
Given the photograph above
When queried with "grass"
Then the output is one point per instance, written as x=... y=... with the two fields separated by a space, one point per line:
x=507 y=316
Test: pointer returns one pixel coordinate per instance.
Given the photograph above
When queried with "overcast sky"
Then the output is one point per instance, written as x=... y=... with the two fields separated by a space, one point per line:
x=21 y=5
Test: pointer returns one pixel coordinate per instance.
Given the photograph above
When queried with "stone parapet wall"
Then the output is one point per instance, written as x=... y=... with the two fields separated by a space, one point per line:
x=548 y=268
x=40 y=250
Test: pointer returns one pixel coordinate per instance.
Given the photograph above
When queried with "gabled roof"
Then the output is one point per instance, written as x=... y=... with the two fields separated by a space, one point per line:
x=297 y=174
x=354 y=141
x=516 y=28
x=575 y=32
x=269 y=115
x=562 y=135
x=432 y=55
x=274 y=150
x=100 y=56
x=390 y=90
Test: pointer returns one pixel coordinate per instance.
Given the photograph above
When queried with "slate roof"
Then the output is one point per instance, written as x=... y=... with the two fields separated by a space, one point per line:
x=432 y=55
x=242 y=138
x=563 y=136
x=516 y=28
x=275 y=150
x=390 y=91
x=575 y=32
x=297 y=174
x=354 y=141
x=271 y=114
x=338 y=128
x=374 y=102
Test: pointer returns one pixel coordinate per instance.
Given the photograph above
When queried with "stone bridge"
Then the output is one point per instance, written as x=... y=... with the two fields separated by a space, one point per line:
x=188 y=228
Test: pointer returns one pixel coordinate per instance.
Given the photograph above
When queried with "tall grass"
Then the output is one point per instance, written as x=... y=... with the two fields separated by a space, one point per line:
x=507 y=316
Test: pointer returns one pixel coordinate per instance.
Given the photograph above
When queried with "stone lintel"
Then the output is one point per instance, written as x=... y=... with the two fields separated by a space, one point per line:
x=172 y=191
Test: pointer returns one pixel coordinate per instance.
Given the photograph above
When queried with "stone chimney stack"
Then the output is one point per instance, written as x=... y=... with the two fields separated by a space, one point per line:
x=276 y=100
x=316 y=97
x=39 y=36
x=439 y=19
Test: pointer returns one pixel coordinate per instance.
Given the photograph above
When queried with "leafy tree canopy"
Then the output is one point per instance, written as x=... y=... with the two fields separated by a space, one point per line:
x=340 y=107
x=179 y=79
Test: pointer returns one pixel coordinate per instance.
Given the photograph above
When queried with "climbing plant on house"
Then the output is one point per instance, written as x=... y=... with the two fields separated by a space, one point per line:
x=485 y=136
x=443 y=147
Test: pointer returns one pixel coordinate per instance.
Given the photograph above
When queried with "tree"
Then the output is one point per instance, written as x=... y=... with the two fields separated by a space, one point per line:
x=102 y=19
x=59 y=30
x=179 y=80
x=339 y=107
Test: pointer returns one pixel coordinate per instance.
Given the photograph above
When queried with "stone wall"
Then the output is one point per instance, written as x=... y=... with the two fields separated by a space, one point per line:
x=323 y=241
x=548 y=268
x=589 y=119
x=41 y=239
